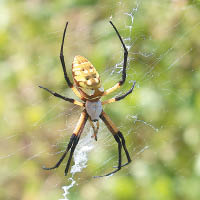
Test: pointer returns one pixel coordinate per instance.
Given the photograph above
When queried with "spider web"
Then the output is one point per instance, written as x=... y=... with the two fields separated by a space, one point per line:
x=87 y=147
x=86 y=144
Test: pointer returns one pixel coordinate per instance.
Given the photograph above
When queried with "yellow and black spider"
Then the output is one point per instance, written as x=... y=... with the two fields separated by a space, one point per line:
x=86 y=77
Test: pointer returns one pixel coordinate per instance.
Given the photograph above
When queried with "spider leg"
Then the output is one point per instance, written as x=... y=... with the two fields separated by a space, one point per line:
x=71 y=154
x=119 y=160
x=72 y=140
x=125 y=55
x=95 y=130
x=119 y=97
x=62 y=97
x=125 y=148
x=72 y=143
x=121 y=143
x=121 y=82
x=78 y=130
x=62 y=59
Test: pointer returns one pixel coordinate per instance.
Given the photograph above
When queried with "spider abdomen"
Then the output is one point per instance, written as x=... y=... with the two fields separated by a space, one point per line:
x=94 y=109
x=84 y=73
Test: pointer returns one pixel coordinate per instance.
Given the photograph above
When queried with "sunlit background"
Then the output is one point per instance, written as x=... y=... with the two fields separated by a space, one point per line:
x=160 y=119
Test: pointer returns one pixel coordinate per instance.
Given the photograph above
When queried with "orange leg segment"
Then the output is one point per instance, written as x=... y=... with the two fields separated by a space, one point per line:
x=119 y=139
x=72 y=143
x=119 y=97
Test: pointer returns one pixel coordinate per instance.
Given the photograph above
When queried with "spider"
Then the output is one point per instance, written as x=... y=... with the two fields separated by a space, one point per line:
x=86 y=77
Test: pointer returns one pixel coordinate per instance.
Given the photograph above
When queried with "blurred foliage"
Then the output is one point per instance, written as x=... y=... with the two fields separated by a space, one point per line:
x=160 y=120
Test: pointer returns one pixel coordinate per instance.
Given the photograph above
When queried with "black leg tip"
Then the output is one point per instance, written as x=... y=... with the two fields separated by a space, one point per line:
x=45 y=168
x=66 y=173
x=66 y=25
x=97 y=176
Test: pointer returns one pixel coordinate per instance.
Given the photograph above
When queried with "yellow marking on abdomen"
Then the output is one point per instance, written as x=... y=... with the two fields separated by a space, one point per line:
x=85 y=74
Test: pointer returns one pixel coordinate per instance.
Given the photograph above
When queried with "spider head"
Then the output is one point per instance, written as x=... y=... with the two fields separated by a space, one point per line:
x=84 y=74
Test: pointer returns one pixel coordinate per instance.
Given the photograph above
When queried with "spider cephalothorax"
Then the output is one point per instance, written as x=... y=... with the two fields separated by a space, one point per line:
x=85 y=77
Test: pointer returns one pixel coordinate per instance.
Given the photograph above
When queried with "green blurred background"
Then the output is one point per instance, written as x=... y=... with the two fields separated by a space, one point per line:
x=160 y=120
